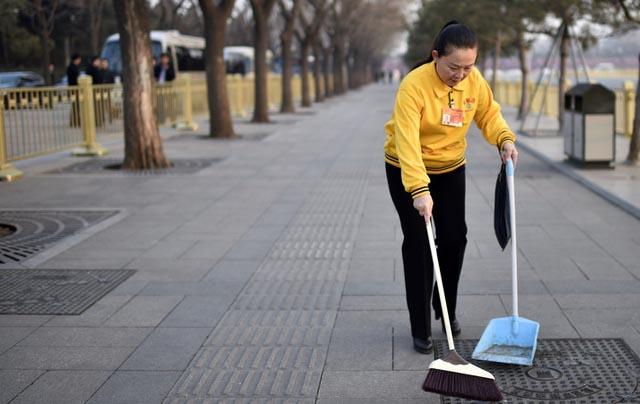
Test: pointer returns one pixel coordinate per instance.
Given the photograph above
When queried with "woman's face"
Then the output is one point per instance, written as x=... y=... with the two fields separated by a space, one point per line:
x=456 y=66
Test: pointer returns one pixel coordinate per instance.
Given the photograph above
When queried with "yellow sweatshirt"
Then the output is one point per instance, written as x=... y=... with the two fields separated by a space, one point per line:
x=419 y=144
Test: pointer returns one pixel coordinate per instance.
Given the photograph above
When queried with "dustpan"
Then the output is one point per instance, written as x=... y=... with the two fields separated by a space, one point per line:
x=512 y=339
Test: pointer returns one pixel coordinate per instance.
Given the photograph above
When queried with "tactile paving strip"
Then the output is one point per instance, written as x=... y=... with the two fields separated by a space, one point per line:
x=55 y=291
x=35 y=231
x=272 y=342
x=101 y=166
x=564 y=371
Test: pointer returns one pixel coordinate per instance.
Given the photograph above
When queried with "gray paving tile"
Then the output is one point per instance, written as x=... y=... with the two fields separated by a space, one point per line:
x=359 y=303
x=380 y=270
x=9 y=336
x=167 y=349
x=544 y=310
x=86 y=337
x=14 y=381
x=374 y=384
x=298 y=358
x=277 y=318
x=198 y=311
x=125 y=387
x=218 y=383
x=64 y=358
x=249 y=250
x=599 y=301
x=372 y=288
x=23 y=320
x=269 y=336
x=360 y=349
x=600 y=323
x=144 y=311
x=224 y=289
x=62 y=386
x=584 y=286
x=233 y=270
x=94 y=316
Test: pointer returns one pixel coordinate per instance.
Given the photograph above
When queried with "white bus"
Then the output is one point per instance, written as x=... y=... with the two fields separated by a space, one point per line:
x=186 y=51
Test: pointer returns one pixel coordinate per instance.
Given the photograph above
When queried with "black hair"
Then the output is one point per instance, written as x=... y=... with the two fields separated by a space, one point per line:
x=94 y=58
x=163 y=54
x=75 y=56
x=453 y=34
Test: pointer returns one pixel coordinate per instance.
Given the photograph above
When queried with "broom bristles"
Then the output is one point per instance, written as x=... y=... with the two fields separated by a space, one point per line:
x=457 y=381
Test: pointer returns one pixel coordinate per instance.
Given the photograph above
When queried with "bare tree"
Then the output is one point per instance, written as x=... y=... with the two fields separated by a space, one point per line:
x=261 y=13
x=289 y=14
x=634 y=146
x=143 y=145
x=215 y=15
x=311 y=20
x=94 y=10
x=43 y=16
x=240 y=27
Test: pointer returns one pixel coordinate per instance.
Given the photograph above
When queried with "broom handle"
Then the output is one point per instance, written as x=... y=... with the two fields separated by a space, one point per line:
x=436 y=270
x=514 y=243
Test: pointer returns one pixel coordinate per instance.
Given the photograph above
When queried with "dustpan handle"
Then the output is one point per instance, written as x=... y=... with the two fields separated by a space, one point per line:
x=436 y=271
x=514 y=243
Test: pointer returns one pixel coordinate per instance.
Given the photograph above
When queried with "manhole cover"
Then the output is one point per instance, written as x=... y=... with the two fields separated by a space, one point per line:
x=28 y=233
x=55 y=291
x=564 y=370
x=110 y=167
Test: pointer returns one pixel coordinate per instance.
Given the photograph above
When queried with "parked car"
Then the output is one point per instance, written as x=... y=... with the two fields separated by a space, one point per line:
x=20 y=79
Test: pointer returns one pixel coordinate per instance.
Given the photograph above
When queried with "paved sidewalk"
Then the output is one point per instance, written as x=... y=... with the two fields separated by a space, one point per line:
x=275 y=274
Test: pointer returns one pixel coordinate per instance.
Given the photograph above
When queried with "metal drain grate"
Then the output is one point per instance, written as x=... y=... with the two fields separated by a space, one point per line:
x=35 y=231
x=564 y=370
x=110 y=167
x=55 y=291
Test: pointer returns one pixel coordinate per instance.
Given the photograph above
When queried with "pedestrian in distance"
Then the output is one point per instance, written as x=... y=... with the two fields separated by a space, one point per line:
x=94 y=70
x=163 y=71
x=73 y=70
x=107 y=76
x=425 y=166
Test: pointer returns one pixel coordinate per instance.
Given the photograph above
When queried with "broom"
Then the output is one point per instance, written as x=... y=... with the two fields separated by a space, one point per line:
x=452 y=375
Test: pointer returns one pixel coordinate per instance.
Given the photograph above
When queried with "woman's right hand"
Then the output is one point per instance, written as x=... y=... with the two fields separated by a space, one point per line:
x=424 y=205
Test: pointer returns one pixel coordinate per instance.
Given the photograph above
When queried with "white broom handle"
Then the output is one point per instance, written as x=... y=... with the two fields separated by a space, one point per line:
x=514 y=242
x=436 y=271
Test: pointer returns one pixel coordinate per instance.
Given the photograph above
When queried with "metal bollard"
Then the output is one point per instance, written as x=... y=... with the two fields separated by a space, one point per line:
x=91 y=146
x=187 y=122
x=629 y=107
x=7 y=171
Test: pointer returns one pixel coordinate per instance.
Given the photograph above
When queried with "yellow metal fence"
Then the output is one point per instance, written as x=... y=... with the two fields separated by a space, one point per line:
x=43 y=120
x=508 y=93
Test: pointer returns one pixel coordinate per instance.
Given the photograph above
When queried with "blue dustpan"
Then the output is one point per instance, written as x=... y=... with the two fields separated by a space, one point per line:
x=512 y=339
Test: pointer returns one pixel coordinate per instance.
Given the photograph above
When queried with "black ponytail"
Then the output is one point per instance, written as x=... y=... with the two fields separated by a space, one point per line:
x=453 y=34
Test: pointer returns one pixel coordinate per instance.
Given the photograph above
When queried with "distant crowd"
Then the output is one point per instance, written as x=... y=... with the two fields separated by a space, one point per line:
x=98 y=69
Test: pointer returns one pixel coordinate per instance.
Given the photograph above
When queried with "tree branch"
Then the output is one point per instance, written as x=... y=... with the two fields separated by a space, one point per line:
x=627 y=13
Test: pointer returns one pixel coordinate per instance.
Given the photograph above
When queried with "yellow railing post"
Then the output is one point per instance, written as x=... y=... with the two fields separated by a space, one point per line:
x=629 y=107
x=91 y=146
x=7 y=172
x=187 y=122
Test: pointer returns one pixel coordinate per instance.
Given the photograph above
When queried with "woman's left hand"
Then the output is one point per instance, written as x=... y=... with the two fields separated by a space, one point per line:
x=509 y=151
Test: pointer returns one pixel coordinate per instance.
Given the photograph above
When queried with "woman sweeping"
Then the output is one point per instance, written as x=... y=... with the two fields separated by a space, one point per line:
x=425 y=164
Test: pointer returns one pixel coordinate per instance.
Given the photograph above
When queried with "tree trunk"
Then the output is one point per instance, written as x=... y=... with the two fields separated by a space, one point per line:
x=304 y=72
x=338 y=75
x=524 y=68
x=564 y=51
x=287 y=73
x=496 y=60
x=220 y=123
x=317 y=72
x=143 y=145
x=326 y=67
x=261 y=36
x=5 y=47
x=95 y=20
x=634 y=145
x=46 y=58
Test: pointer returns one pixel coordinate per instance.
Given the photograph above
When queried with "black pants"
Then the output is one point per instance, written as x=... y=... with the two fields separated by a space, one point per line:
x=448 y=193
